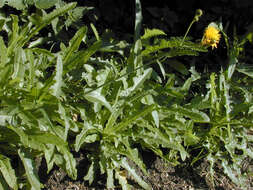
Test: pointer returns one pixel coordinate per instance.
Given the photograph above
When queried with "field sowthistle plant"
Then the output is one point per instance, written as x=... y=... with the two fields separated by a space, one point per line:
x=109 y=103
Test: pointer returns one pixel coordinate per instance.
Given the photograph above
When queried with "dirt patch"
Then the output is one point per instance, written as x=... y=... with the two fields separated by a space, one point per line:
x=162 y=176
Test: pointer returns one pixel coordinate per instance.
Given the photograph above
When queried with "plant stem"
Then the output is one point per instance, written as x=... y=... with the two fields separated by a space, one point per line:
x=188 y=29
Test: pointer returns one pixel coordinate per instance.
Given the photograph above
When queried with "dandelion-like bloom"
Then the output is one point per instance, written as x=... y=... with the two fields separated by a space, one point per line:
x=211 y=36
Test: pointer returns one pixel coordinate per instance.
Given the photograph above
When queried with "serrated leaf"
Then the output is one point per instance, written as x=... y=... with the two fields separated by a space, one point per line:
x=163 y=139
x=8 y=172
x=97 y=97
x=30 y=168
x=49 y=155
x=138 y=82
x=74 y=43
x=82 y=137
x=132 y=153
x=149 y=33
x=129 y=120
x=113 y=117
x=70 y=162
x=133 y=173
x=228 y=170
x=194 y=114
x=81 y=57
x=48 y=18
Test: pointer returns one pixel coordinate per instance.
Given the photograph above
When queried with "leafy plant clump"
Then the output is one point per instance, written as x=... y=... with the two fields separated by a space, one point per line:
x=103 y=96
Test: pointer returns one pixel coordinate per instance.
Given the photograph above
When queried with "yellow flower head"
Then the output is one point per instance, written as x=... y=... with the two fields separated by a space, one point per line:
x=211 y=36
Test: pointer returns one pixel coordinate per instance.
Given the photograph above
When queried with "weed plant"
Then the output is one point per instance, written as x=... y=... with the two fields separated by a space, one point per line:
x=102 y=96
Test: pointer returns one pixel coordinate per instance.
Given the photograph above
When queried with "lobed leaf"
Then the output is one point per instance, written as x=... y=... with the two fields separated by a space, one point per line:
x=149 y=33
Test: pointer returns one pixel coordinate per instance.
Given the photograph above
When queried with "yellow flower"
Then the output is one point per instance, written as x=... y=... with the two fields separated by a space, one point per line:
x=211 y=36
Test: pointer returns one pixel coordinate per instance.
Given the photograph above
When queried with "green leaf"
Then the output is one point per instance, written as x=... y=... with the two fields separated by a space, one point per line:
x=231 y=174
x=97 y=97
x=15 y=28
x=90 y=174
x=194 y=114
x=8 y=172
x=95 y=31
x=47 y=138
x=82 y=137
x=3 y=184
x=138 y=20
x=3 y=50
x=123 y=181
x=110 y=180
x=178 y=66
x=2 y=3
x=136 y=177
x=66 y=120
x=48 y=18
x=137 y=56
x=113 y=117
x=129 y=120
x=149 y=101
x=5 y=119
x=245 y=69
x=70 y=162
x=132 y=153
x=75 y=43
x=81 y=57
x=162 y=138
x=45 y=4
x=138 y=82
x=49 y=155
x=30 y=168
x=57 y=87
x=231 y=67
x=16 y=4
x=149 y=33
x=4 y=75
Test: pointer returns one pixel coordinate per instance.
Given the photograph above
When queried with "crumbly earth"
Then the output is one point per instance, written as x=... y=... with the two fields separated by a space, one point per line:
x=162 y=176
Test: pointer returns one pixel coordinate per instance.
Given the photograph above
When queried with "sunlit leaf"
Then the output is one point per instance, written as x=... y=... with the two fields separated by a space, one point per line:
x=45 y=4
x=245 y=69
x=97 y=97
x=8 y=172
x=194 y=114
x=30 y=168
x=136 y=177
x=57 y=87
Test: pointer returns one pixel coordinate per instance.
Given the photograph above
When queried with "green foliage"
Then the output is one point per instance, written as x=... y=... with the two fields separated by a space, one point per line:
x=107 y=100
